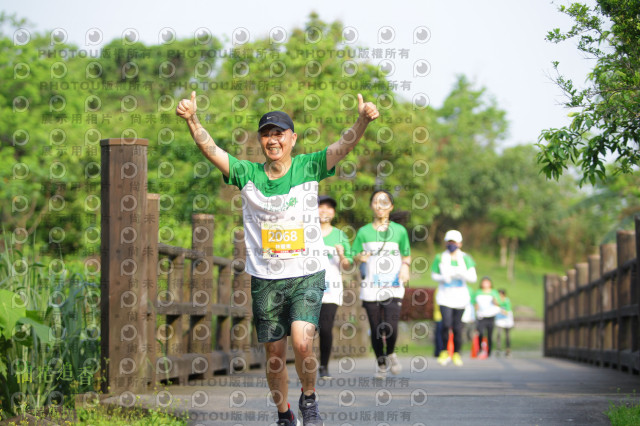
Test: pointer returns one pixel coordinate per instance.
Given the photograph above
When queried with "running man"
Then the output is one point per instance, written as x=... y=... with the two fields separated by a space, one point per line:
x=285 y=251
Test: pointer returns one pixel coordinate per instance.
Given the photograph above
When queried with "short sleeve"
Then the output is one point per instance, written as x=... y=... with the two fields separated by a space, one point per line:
x=469 y=262
x=316 y=165
x=344 y=241
x=507 y=304
x=357 y=243
x=435 y=266
x=405 y=248
x=239 y=172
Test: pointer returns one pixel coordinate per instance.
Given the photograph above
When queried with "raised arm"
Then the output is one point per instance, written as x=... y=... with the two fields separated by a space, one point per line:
x=187 y=109
x=367 y=112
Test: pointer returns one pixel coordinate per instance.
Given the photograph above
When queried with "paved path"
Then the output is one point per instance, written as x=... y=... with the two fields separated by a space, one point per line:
x=523 y=390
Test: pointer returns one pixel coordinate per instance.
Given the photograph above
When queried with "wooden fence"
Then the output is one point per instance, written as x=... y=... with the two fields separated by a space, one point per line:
x=159 y=302
x=593 y=313
x=156 y=324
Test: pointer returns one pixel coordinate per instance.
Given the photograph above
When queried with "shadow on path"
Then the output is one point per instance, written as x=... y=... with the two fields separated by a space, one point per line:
x=523 y=390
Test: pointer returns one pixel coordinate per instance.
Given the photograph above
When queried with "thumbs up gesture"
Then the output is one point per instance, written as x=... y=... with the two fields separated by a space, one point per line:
x=367 y=110
x=187 y=107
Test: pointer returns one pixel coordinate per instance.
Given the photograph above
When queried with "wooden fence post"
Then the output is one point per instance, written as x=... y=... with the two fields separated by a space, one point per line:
x=548 y=320
x=595 y=308
x=123 y=209
x=150 y=284
x=582 y=308
x=200 y=332
x=223 y=333
x=570 y=312
x=626 y=252
x=608 y=260
x=241 y=331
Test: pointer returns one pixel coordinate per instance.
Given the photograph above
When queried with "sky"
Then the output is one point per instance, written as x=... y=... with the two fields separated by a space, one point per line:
x=498 y=44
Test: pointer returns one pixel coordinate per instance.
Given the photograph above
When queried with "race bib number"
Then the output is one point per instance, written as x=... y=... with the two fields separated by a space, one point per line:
x=282 y=240
x=386 y=280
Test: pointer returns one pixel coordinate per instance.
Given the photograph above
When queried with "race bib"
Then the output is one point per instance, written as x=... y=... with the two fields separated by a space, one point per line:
x=282 y=240
x=386 y=280
x=453 y=283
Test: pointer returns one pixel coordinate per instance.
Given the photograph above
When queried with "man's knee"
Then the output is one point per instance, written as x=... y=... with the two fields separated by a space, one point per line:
x=304 y=347
x=276 y=349
x=276 y=357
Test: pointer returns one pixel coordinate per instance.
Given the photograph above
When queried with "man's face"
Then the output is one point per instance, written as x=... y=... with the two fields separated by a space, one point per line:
x=276 y=143
x=326 y=212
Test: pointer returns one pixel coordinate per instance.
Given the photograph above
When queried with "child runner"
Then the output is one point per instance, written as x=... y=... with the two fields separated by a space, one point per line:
x=384 y=248
x=285 y=252
x=337 y=247
x=485 y=300
x=504 y=321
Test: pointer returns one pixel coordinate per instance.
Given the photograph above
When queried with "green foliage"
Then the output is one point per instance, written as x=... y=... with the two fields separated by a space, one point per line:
x=467 y=128
x=50 y=333
x=522 y=339
x=606 y=122
x=624 y=413
x=101 y=416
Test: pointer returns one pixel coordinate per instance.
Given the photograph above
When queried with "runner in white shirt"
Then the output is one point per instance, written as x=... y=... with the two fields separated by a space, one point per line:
x=338 y=249
x=453 y=269
x=285 y=255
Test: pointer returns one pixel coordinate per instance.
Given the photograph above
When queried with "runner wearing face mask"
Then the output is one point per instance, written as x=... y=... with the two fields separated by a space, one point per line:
x=453 y=269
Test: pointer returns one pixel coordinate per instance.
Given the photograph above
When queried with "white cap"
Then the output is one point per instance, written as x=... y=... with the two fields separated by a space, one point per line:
x=453 y=235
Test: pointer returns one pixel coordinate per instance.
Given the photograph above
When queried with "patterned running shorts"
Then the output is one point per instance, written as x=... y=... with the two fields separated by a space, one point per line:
x=277 y=303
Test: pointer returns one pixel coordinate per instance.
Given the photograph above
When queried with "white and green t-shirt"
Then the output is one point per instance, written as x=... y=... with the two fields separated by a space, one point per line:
x=453 y=272
x=281 y=222
x=486 y=301
x=333 y=277
x=386 y=247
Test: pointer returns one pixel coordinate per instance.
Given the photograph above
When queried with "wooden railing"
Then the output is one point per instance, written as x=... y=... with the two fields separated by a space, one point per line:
x=593 y=313
x=159 y=301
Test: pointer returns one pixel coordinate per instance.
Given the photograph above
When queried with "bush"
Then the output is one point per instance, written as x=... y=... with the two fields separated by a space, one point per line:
x=49 y=333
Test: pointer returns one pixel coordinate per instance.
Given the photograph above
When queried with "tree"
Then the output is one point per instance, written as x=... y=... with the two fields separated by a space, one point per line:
x=130 y=89
x=468 y=126
x=607 y=122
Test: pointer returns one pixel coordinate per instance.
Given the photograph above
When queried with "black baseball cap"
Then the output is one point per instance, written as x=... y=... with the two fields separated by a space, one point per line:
x=327 y=199
x=276 y=118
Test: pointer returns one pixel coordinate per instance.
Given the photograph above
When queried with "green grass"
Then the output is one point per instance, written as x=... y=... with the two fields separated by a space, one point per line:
x=521 y=340
x=102 y=415
x=624 y=413
x=526 y=291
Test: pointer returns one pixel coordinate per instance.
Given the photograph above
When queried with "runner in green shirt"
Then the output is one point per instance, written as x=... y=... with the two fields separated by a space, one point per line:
x=485 y=301
x=504 y=321
x=285 y=251
x=383 y=246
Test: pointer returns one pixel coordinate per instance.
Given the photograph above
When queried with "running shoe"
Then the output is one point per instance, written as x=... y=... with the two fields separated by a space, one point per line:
x=457 y=360
x=381 y=370
x=394 y=366
x=309 y=411
x=444 y=358
x=289 y=422
x=323 y=373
